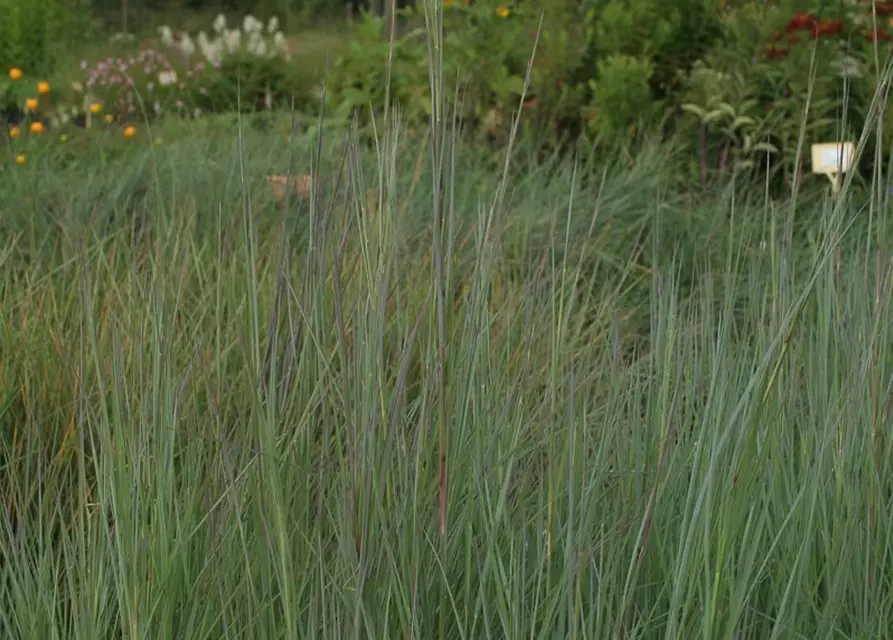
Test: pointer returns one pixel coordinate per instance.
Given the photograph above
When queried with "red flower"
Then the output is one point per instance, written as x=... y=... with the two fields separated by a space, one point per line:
x=830 y=27
x=529 y=104
x=825 y=28
x=773 y=53
x=801 y=22
x=876 y=35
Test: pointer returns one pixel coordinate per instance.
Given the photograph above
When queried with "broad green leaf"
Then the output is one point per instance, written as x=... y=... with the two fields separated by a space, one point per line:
x=765 y=147
x=695 y=110
x=726 y=108
x=715 y=115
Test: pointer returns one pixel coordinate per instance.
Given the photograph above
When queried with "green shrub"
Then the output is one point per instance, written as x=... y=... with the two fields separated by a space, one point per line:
x=486 y=50
x=247 y=65
x=621 y=95
x=34 y=34
x=599 y=67
x=358 y=78
x=785 y=73
x=635 y=53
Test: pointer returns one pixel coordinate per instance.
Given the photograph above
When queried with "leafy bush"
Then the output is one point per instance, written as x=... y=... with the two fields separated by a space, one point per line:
x=247 y=64
x=635 y=53
x=35 y=124
x=186 y=76
x=486 y=50
x=20 y=96
x=621 y=95
x=780 y=74
x=733 y=80
x=600 y=67
x=251 y=63
x=34 y=34
x=145 y=82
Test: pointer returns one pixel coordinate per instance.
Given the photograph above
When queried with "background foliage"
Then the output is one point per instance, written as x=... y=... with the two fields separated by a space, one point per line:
x=735 y=82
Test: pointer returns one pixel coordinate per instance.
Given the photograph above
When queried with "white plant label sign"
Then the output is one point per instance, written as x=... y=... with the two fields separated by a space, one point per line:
x=832 y=158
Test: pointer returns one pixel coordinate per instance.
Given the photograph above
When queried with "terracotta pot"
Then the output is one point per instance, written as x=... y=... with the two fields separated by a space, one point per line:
x=279 y=184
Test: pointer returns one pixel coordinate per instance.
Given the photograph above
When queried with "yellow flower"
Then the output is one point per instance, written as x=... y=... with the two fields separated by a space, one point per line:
x=107 y=117
x=95 y=107
x=15 y=132
x=43 y=88
x=503 y=11
x=63 y=138
x=129 y=131
x=32 y=103
x=15 y=73
x=36 y=127
x=21 y=158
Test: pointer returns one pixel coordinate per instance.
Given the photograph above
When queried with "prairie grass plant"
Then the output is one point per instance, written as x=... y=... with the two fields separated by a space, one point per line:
x=437 y=398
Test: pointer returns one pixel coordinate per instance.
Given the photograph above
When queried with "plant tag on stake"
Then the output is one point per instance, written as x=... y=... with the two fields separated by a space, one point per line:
x=833 y=159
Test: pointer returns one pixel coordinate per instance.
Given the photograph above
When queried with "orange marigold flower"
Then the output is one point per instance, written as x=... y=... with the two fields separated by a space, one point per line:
x=15 y=73
x=15 y=132
x=37 y=127
x=43 y=88
x=21 y=158
x=502 y=11
x=129 y=131
x=32 y=103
